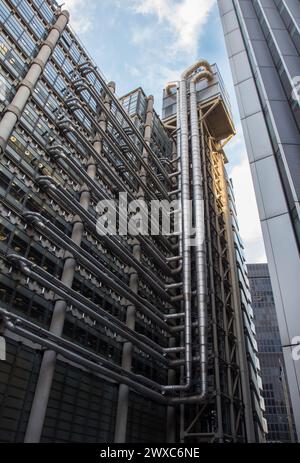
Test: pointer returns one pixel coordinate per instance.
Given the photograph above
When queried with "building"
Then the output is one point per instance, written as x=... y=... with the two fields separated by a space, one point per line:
x=263 y=44
x=228 y=287
x=279 y=413
x=131 y=336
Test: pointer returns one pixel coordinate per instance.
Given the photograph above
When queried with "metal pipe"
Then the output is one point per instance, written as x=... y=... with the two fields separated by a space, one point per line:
x=58 y=153
x=114 y=244
x=77 y=105
x=173 y=259
x=92 y=366
x=86 y=69
x=32 y=327
x=90 y=262
x=14 y=110
x=173 y=286
x=8 y=121
x=47 y=369
x=200 y=252
x=144 y=159
x=66 y=349
x=199 y=219
x=194 y=67
x=89 y=308
x=186 y=253
x=174 y=316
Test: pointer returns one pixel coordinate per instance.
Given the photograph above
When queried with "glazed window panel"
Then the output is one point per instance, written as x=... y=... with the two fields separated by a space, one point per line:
x=41 y=93
x=24 y=10
x=14 y=27
x=75 y=53
x=38 y=27
x=44 y=9
x=59 y=56
x=50 y=73
x=60 y=86
x=27 y=44
x=4 y=12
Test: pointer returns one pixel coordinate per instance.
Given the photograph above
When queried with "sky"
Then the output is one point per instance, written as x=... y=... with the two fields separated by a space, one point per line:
x=148 y=43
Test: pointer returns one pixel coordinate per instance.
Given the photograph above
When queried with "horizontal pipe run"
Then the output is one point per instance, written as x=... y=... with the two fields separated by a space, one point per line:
x=174 y=350
x=114 y=244
x=177 y=298
x=180 y=362
x=173 y=286
x=174 y=174
x=160 y=258
x=174 y=316
x=77 y=106
x=64 y=348
x=104 y=167
x=86 y=68
x=174 y=192
x=179 y=328
x=90 y=365
x=33 y=328
x=111 y=117
x=48 y=229
x=173 y=259
x=95 y=312
x=91 y=309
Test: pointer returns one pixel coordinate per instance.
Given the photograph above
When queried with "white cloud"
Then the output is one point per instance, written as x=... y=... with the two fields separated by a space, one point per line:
x=140 y=35
x=247 y=211
x=81 y=19
x=185 y=19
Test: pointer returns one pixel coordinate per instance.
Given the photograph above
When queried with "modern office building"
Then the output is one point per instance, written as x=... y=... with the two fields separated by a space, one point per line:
x=279 y=412
x=123 y=336
x=263 y=44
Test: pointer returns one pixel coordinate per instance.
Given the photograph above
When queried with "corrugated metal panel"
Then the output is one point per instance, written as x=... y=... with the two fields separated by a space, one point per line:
x=146 y=421
x=18 y=375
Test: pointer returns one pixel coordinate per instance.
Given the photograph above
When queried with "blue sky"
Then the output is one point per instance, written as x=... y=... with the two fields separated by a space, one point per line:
x=148 y=43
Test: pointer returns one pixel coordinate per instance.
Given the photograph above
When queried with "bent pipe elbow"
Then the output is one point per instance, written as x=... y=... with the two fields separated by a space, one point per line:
x=200 y=63
x=171 y=85
x=177 y=270
x=94 y=362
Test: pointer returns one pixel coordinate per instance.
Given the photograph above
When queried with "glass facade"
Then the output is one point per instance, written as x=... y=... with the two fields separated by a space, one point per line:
x=263 y=44
x=279 y=413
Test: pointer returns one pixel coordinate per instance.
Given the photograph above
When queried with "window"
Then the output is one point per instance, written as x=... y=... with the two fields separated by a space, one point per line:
x=4 y=180
x=18 y=244
x=4 y=12
x=16 y=191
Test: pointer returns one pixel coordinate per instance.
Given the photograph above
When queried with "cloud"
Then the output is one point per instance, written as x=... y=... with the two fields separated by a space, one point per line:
x=81 y=18
x=184 y=19
x=247 y=212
